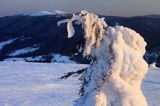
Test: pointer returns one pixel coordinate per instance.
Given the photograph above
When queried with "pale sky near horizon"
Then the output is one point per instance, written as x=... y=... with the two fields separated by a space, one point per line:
x=104 y=7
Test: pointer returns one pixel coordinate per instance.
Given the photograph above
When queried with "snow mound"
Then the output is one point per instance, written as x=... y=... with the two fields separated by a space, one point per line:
x=115 y=75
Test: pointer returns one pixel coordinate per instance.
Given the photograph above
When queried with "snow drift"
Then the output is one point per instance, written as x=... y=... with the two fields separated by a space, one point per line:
x=114 y=77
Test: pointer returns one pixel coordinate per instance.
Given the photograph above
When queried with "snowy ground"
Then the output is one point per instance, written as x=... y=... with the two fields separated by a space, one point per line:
x=36 y=84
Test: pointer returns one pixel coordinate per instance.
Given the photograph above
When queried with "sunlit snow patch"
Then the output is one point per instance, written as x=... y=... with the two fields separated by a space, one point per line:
x=43 y=13
x=23 y=51
x=2 y=44
x=40 y=13
x=19 y=59
x=56 y=58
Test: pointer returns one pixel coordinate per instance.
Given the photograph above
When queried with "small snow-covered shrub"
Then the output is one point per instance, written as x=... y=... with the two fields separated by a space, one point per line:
x=114 y=76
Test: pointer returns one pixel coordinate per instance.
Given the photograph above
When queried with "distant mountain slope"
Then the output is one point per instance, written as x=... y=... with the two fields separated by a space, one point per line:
x=41 y=33
x=153 y=16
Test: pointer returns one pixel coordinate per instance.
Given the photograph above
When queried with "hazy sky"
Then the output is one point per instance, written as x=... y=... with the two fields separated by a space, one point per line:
x=106 y=7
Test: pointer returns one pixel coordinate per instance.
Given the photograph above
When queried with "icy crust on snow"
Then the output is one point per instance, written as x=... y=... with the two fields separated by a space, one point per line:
x=115 y=75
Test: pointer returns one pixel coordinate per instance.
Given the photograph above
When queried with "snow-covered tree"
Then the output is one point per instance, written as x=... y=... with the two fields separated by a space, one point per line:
x=115 y=75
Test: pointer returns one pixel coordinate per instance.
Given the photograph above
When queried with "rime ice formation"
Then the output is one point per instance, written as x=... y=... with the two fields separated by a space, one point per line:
x=70 y=27
x=118 y=68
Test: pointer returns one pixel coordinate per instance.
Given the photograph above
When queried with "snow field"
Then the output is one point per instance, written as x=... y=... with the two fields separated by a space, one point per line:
x=36 y=84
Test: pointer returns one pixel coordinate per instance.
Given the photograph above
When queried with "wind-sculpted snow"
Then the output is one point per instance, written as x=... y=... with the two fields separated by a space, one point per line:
x=118 y=68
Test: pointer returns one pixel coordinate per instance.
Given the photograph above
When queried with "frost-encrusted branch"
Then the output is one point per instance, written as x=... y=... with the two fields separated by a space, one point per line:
x=69 y=74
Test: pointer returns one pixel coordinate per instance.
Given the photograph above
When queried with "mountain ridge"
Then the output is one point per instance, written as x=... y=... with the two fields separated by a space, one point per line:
x=43 y=32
